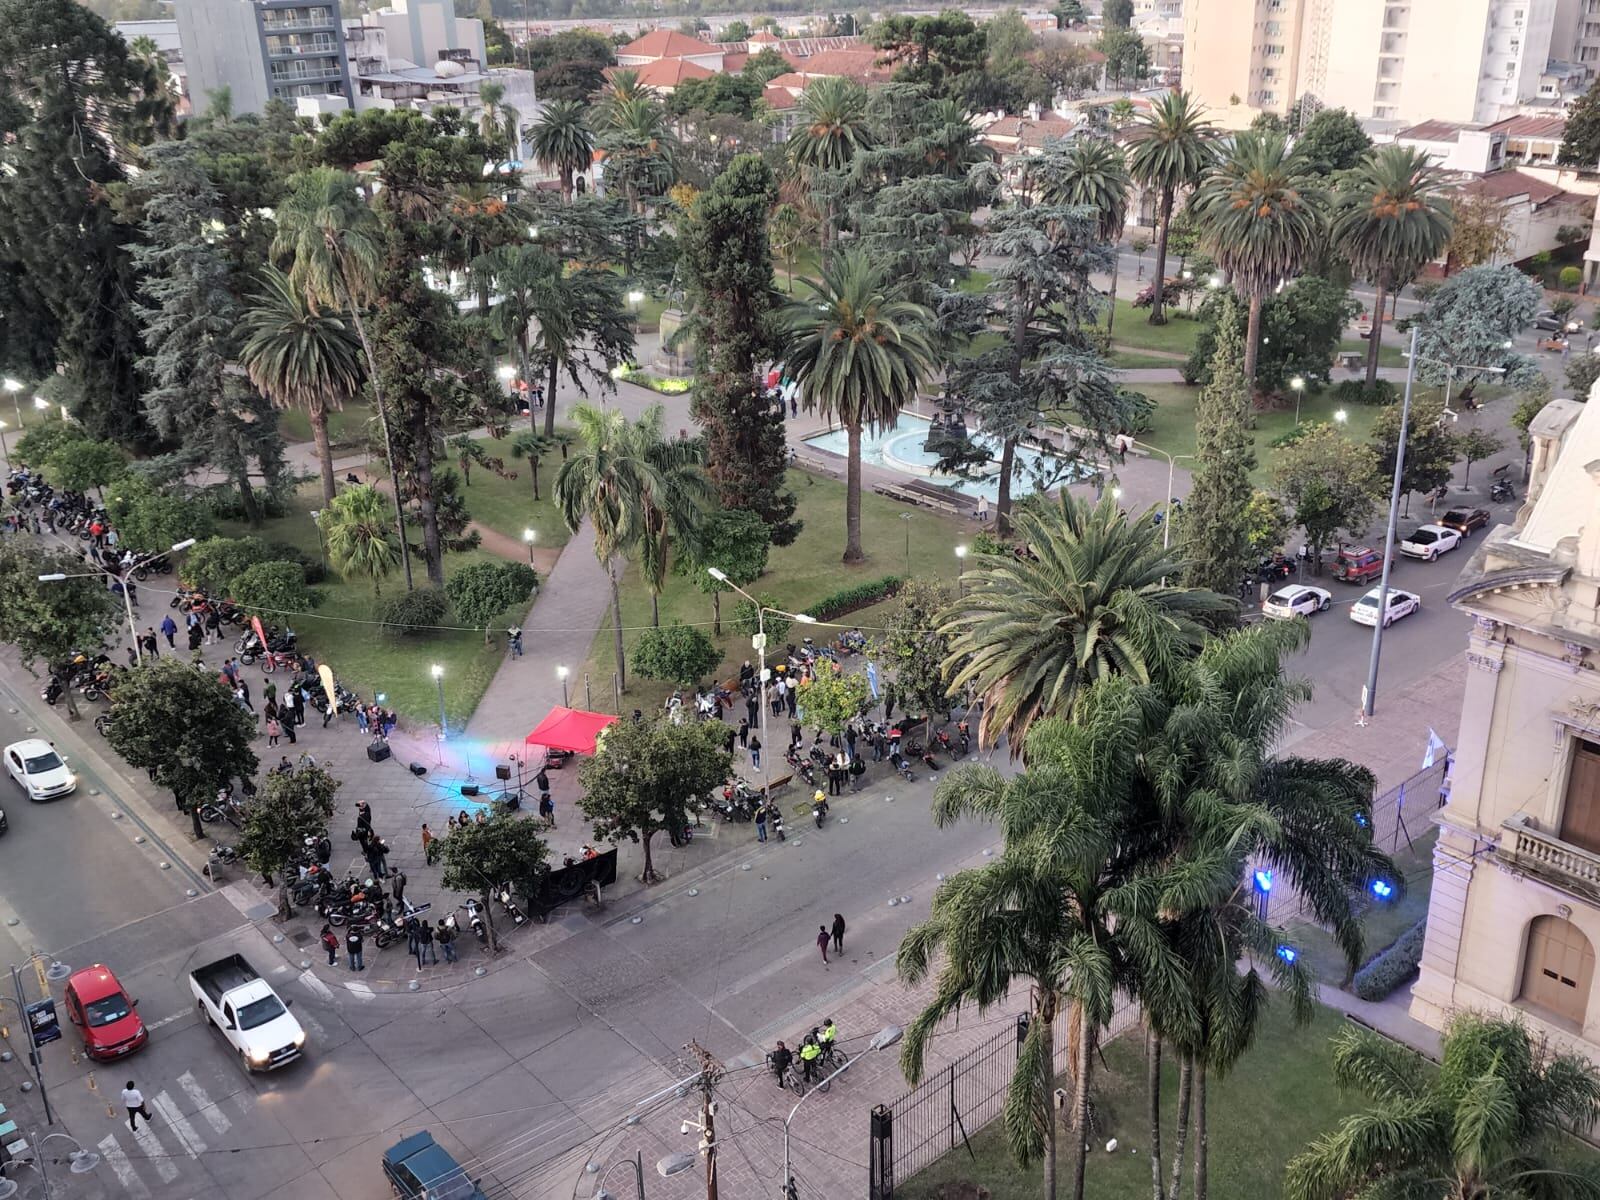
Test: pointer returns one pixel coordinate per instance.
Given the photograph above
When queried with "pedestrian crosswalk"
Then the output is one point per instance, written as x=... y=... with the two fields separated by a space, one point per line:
x=148 y=1160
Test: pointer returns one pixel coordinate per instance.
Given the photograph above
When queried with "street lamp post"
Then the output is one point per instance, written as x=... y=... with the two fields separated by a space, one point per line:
x=530 y=536
x=15 y=388
x=122 y=577
x=562 y=673
x=83 y=1161
x=961 y=562
x=1369 y=694
x=1172 y=478
x=3 y=447
x=1298 y=384
x=906 y=517
x=438 y=680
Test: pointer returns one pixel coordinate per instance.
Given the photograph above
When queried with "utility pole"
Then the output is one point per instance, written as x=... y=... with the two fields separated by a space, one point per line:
x=711 y=1073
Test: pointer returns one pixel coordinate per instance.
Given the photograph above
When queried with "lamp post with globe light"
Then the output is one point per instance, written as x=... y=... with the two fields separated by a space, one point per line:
x=530 y=536
x=562 y=673
x=438 y=679
x=82 y=1162
x=1298 y=384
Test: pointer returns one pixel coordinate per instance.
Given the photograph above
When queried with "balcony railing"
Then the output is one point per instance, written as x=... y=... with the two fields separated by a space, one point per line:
x=273 y=24
x=1562 y=863
x=307 y=75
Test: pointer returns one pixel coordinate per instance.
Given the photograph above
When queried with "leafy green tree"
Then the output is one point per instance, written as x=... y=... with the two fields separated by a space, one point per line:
x=1582 y=371
x=1093 y=173
x=645 y=778
x=1329 y=483
x=568 y=65
x=830 y=700
x=1431 y=448
x=475 y=859
x=275 y=590
x=560 y=140
x=1093 y=600
x=1172 y=149
x=1261 y=213
x=1492 y=1120
x=675 y=499
x=1117 y=14
x=1069 y=13
x=1333 y=140
x=359 y=536
x=1481 y=232
x=913 y=646
x=533 y=447
x=677 y=653
x=773 y=621
x=480 y=592
x=285 y=806
x=38 y=442
x=641 y=148
x=497 y=120
x=1266 y=524
x=831 y=131
x=1301 y=328
x=48 y=621
x=212 y=564
x=300 y=356
x=152 y=519
x=1392 y=218
x=1475 y=445
x=933 y=50
x=1580 y=139
x=183 y=727
x=1470 y=322
x=859 y=352
x=728 y=268
x=735 y=541
x=1214 y=531
x=83 y=463
x=1127 y=57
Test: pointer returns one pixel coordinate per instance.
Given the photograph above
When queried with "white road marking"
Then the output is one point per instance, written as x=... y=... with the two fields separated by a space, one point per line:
x=118 y=1161
x=180 y=1124
x=156 y=1153
x=315 y=986
x=210 y=1113
x=360 y=990
x=177 y=1016
x=313 y=1026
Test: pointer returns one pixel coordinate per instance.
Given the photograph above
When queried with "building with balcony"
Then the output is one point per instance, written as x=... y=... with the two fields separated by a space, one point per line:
x=261 y=50
x=1514 y=915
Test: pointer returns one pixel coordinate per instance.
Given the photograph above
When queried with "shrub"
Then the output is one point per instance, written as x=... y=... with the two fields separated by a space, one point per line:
x=744 y=620
x=288 y=552
x=1392 y=966
x=1570 y=277
x=851 y=598
x=1356 y=391
x=675 y=653
x=275 y=590
x=984 y=542
x=413 y=614
x=213 y=564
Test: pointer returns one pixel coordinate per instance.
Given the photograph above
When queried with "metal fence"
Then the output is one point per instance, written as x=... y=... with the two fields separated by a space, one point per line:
x=951 y=1105
x=1403 y=812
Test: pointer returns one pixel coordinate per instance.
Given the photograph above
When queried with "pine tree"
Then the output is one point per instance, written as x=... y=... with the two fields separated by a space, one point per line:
x=728 y=260
x=1214 y=525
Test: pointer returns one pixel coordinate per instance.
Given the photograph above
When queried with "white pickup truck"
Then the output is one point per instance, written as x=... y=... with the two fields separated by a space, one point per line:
x=242 y=1006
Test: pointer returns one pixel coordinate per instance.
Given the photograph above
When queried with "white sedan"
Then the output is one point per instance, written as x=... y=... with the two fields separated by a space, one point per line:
x=1296 y=600
x=1430 y=541
x=1401 y=604
x=38 y=769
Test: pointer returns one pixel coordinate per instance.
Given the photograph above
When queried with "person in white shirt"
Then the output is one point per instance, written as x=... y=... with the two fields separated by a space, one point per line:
x=133 y=1101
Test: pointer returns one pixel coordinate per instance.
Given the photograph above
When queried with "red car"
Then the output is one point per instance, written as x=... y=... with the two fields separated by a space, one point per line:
x=107 y=1018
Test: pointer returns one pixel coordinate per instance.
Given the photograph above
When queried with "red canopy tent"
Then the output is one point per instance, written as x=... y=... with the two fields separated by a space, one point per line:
x=569 y=729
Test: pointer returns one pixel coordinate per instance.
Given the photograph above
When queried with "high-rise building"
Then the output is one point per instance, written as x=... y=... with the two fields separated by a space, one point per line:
x=260 y=50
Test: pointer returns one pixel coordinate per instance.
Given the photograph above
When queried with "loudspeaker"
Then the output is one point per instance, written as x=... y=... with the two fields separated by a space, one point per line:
x=502 y=772
x=469 y=789
x=378 y=750
x=418 y=769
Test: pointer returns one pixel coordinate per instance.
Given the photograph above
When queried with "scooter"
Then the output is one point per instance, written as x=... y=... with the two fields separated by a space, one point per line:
x=819 y=810
x=475 y=919
x=1501 y=488
x=898 y=762
x=777 y=823
x=802 y=767
x=502 y=895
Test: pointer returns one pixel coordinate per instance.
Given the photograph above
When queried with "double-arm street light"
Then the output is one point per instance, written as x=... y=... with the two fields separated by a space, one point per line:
x=83 y=1161
x=1172 y=476
x=759 y=642
x=122 y=576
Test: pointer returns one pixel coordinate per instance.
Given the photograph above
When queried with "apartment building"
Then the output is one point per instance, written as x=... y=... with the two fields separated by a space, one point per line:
x=1514 y=913
x=260 y=50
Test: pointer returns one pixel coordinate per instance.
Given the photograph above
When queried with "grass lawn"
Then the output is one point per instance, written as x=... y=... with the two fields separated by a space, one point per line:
x=796 y=576
x=346 y=427
x=1390 y=350
x=1260 y=1115
x=1127 y=359
x=344 y=633
x=1132 y=328
x=507 y=505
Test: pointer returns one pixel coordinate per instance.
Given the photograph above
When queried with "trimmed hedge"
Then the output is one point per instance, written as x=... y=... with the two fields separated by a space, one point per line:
x=852 y=598
x=1392 y=966
x=413 y=614
x=1356 y=391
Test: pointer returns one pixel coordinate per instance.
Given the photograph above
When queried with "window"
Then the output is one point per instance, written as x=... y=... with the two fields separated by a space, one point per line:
x=1557 y=967
x=1580 y=814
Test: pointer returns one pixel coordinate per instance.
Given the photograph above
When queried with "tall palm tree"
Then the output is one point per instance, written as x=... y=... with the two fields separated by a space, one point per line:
x=532 y=446
x=1090 y=599
x=1171 y=151
x=1392 y=219
x=609 y=482
x=334 y=245
x=1261 y=214
x=859 y=351
x=1093 y=173
x=561 y=141
x=1051 y=910
x=641 y=148
x=359 y=539
x=831 y=131
x=1488 y=1123
x=671 y=512
x=300 y=357
x=498 y=121
x=524 y=277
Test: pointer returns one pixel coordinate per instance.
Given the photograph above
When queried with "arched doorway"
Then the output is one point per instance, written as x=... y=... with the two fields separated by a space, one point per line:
x=1557 y=968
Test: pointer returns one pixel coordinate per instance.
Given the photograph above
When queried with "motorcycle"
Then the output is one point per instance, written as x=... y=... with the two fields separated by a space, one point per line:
x=898 y=762
x=929 y=761
x=943 y=738
x=819 y=810
x=160 y=565
x=964 y=736
x=480 y=930
x=51 y=692
x=777 y=823
x=502 y=895
x=102 y=724
x=802 y=768
x=1501 y=489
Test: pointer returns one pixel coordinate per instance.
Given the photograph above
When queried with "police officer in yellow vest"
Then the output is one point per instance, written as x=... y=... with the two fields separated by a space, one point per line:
x=829 y=1033
x=809 y=1053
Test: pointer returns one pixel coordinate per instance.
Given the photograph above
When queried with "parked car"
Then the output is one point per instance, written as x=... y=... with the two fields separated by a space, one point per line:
x=1401 y=604
x=1430 y=541
x=242 y=1006
x=108 y=1020
x=1549 y=319
x=1465 y=520
x=418 y=1168
x=1357 y=564
x=1296 y=600
x=39 y=770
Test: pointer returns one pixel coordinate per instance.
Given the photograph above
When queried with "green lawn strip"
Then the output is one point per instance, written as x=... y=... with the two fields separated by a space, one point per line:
x=1130 y=359
x=797 y=575
x=347 y=427
x=1132 y=328
x=1260 y=1115
x=1391 y=351
x=507 y=505
x=343 y=633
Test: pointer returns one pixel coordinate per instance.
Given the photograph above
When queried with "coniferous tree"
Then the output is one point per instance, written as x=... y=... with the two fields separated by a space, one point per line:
x=1215 y=523
x=1580 y=141
x=728 y=261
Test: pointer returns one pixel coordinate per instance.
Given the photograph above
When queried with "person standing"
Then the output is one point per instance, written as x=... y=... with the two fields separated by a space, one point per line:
x=755 y=753
x=377 y=857
x=761 y=823
x=744 y=734
x=791 y=697
x=888 y=701
x=397 y=886
x=752 y=709
x=427 y=945
x=197 y=632
x=514 y=635
x=133 y=1101
x=169 y=630
x=352 y=949
x=429 y=847
x=547 y=809
x=147 y=642
x=823 y=938
x=838 y=933
x=274 y=730
x=330 y=943
x=447 y=940
x=419 y=942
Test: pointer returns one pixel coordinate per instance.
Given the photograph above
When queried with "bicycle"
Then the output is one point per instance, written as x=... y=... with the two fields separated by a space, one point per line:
x=832 y=1059
x=792 y=1077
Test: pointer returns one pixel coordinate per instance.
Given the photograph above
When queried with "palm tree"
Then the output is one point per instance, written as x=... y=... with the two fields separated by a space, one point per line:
x=831 y=131
x=532 y=446
x=952 y=146
x=1392 y=219
x=498 y=121
x=300 y=358
x=1093 y=173
x=859 y=351
x=1050 y=910
x=1171 y=151
x=1089 y=599
x=359 y=539
x=1489 y=1122
x=525 y=278
x=334 y=244
x=671 y=511
x=1260 y=212
x=609 y=483
x=640 y=147
x=561 y=141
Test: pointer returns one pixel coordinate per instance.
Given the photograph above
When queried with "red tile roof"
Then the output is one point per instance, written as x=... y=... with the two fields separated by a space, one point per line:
x=665 y=72
x=1532 y=127
x=1507 y=185
x=666 y=43
x=1031 y=131
x=861 y=65
x=780 y=99
x=1434 y=131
